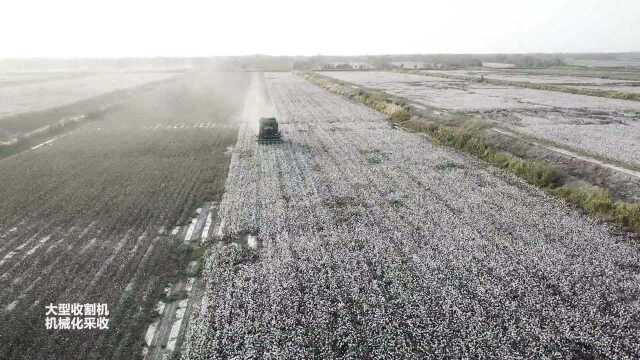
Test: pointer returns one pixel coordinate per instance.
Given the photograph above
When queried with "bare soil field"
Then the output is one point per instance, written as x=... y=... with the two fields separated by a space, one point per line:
x=608 y=128
x=373 y=242
x=88 y=217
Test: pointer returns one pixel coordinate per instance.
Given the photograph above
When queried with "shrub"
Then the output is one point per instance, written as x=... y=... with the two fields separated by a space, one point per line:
x=400 y=116
x=628 y=215
x=598 y=201
x=595 y=200
x=470 y=139
x=535 y=172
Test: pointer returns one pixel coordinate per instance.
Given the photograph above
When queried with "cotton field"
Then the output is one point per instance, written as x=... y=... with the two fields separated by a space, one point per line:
x=372 y=242
x=608 y=128
x=550 y=79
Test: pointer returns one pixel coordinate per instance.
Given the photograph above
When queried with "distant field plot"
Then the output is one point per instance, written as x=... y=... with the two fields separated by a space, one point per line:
x=30 y=77
x=456 y=94
x=30 y=97
x=624 y=62
x=618 y=74
x=625 y=82
x=372 y=242
x=602 y=126
x=631 y=88
x=536 y=78
x=34 y=104
x=89 y=217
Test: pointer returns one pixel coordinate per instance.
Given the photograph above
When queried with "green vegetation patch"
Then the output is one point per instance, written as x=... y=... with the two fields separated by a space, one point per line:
x=471 y=139
x=599 y=202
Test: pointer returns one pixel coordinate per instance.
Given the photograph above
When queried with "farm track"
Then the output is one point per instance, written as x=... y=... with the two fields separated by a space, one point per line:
x=375 y=243
x=87 y=217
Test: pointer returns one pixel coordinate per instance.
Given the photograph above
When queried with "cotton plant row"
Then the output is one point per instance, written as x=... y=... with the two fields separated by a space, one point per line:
x=376 y=243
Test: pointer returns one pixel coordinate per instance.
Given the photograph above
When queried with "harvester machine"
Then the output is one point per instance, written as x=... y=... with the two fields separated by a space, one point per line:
x=268 y=131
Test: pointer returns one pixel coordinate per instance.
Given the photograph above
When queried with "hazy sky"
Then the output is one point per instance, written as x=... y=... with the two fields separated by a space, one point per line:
x=86 y=28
